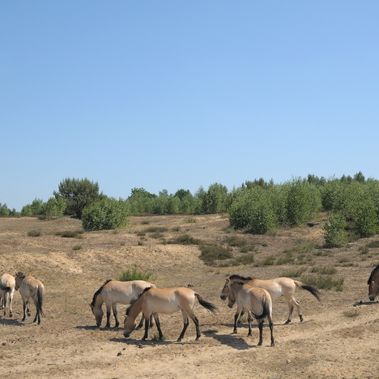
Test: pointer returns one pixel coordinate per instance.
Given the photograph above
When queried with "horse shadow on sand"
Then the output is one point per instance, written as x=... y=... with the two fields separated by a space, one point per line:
x=231 y=340
x=10 y=321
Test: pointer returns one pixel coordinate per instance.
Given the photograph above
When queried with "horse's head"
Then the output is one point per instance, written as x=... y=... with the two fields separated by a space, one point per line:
x=225 y=290
x=20 y=276
x=98 y=313
x=373 y=289
x=129 y=325
x=234 y=287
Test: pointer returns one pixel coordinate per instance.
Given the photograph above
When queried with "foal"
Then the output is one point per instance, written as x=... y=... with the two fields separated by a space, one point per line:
x=30 y=287
x=253 y=300
x=7 y=288
x=165 y=300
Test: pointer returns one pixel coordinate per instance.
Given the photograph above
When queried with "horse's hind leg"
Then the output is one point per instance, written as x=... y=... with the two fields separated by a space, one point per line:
x=260 y=326
x=108 y=324
x=290 y=311
x=11 y=304
x=158 y=324
x=236 y=316
x=146 y=328
x=249 y=322
x=114 y=309
x=185 y=326
x=271 y=325
x=299 y=312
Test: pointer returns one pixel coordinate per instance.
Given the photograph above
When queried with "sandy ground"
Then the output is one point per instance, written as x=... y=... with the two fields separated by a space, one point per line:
x=336 y=340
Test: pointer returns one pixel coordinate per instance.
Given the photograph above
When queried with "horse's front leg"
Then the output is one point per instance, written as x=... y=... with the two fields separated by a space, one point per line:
x=24 y=307
x=146 y=328
x=236 y=316
x=158 y=324
x=249 y=322
x=114 y=309
x=108 y=324
x=260 y=325
x=139 y=326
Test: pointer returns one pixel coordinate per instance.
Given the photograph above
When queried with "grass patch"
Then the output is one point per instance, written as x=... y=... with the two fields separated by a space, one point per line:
x=351 y=313
x=70 y=234
x=77 y=247
x=145 y=222
x=268 y=261
x=134 y=273
x=190 y=220
x=245 y=259
x=211 y=253
x=176 y=229
x=34 y=233
x=373 y=245
x=294 y=273
x=326 y=282
x=235 y=241
x=156 y=235
x=248 y=249
x=184 y=239
x=363 y=250
x=156 y=229
x=324 y=270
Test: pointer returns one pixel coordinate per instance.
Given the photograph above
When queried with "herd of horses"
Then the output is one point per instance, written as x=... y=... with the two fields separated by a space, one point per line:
x=251 y=295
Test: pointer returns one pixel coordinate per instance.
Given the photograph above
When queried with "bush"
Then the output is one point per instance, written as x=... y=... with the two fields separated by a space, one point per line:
x=252 y=210
x=34 y=233
x=104 y=214
x=54 y=207
x=335 y=231
x=33 y=209
x=78 y=194
x=4 y=210
x=134 y=273
x=184 y=239
x=303 y=201
x=211 y=253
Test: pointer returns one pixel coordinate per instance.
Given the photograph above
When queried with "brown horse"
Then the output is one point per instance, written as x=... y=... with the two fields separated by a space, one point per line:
x=165 y=300
x=7 y=288
x=279 y=287
x=373 y=284
x=253 y=300
x=114 y=292
x=30 y=287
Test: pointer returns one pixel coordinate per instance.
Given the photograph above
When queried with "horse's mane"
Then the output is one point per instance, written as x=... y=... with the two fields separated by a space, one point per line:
x=96 y=294
x=20 y=275
x=239 y=277
x=134 y=301
x=373 y=273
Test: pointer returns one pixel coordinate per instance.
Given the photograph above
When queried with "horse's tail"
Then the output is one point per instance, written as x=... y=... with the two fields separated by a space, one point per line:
x=313 y=290
x=206 y=304
x=40 y=300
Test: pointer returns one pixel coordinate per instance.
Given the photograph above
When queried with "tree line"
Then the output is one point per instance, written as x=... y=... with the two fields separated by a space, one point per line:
x=259 y=206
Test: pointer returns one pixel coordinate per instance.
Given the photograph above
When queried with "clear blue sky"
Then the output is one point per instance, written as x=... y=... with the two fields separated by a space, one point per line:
x=179 y=94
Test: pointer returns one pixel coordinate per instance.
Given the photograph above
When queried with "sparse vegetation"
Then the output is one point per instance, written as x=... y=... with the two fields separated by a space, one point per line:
x=184 y=239
x=323 y=281
x=212 y=253
x=134 y=273
x=70 y=234
x=34 y=233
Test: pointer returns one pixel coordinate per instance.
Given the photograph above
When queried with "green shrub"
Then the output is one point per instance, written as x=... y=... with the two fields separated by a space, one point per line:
x=323 y=281
x=185 y=239
x=303 y=201
x=54 y=207
x=104 y=214
x=33 y=209
x=335 y=231
x=155 y=229
x=134 y=273
x=70 y=234
x=252 y=210
x=34 y=233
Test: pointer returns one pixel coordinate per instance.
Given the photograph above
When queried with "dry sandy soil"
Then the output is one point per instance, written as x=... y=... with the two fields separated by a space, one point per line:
x=336 y=340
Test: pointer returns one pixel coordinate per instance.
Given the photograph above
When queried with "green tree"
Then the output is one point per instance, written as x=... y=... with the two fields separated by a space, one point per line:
x=54 y=207
x=4 y=210
x=78 y=194
x=105 y=213
x=33 y=209
x=335 y=231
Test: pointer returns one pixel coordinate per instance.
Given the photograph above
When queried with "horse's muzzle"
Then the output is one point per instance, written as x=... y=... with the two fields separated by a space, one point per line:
x=372 y=298
x=230 y=305
x=126 y=334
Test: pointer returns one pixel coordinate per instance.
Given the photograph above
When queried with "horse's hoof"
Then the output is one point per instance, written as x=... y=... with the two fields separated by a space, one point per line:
x=301 y=318
x=287 y=322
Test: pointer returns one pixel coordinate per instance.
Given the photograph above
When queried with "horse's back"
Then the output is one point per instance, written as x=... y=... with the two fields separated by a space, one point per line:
x=124 y=292
x=8 y=280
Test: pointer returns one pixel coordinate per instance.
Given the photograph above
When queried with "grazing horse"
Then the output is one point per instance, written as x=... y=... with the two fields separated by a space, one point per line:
x=279 y=287
x=7 y=288
x=373 y=283
x=114 y=292
x=165 y=300
x=253 y=300
x=30 y=287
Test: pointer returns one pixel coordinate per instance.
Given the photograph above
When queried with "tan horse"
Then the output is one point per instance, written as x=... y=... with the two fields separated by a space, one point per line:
x=253 y=300
x=278 y=287
x=7 y=288
x=30 y=287
x=114 y=292
x=165 y=300
x=373 y=283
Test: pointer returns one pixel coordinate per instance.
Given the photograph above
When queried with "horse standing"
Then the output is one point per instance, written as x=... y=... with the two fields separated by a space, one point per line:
x=280 y=287
x=113 y=292
x=373 y=284
x=7 y=288
x=30 y=287
x=166 y=300
x=253 y=300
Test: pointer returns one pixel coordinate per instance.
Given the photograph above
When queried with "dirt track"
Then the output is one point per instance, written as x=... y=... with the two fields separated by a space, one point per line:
x=335 y=341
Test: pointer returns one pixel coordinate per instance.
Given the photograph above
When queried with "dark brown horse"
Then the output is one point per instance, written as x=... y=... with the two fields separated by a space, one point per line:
x=373 y=283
